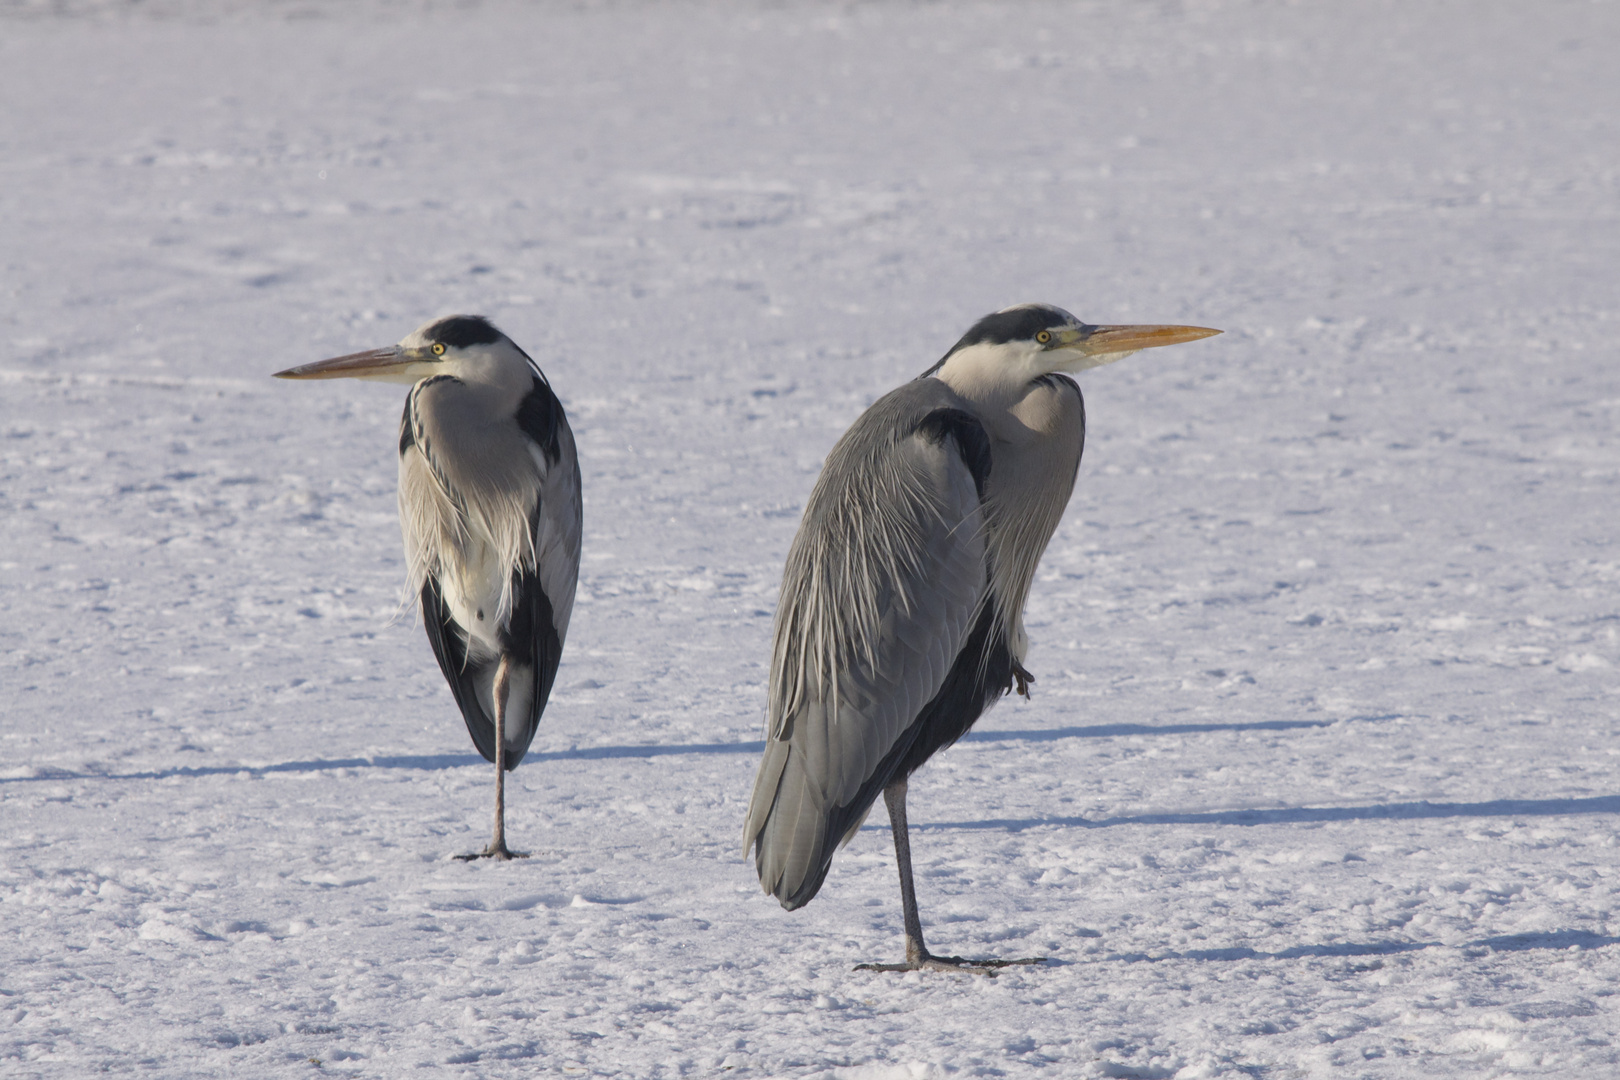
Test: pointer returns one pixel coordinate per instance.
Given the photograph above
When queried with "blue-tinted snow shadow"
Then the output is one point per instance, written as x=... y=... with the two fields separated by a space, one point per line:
x=1304 y=815
x=1556 y=940
x=425 y=762
x=438 y=762
x=1095 y=731
x=1108 y=731
x=1112 y=731
x=647 y=750
x=1297 y=952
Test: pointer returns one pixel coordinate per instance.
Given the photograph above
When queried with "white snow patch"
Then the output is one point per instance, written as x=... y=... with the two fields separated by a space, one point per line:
x=1320 y=775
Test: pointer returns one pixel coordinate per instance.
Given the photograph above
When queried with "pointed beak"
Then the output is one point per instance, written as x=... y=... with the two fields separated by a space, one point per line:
x=1102 y=340
x=1099 y=345
x=392 y=364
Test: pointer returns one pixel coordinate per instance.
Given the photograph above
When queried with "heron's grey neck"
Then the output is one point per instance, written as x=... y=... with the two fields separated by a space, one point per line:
x=1035 y=444
x=997 y=405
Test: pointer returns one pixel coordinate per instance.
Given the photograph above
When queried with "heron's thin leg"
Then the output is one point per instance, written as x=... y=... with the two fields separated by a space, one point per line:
x=497 y=845
x=918 y=958
x=894 y=797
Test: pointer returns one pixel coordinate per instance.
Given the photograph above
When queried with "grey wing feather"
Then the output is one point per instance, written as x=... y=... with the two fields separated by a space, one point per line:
x=558 y=523
x=881 y=588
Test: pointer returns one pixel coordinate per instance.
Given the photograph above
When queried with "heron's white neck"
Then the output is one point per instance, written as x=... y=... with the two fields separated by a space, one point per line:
x=498 y=367
x=995 y=377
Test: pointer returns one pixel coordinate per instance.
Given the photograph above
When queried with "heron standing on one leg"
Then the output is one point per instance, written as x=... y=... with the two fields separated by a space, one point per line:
x=489 y=503
x=901 y=614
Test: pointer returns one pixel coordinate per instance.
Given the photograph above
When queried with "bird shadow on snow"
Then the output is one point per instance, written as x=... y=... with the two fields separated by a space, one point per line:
x=1096 y=731
x=597 y=753
x=1305 y=815
x=435 y=762
x=429 y=762
x=425 y=762
x=1552 y=939
x=1107 y=731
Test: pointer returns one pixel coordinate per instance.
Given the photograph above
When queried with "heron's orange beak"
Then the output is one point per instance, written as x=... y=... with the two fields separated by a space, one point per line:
x=1112 y=339
x=392 y=364
x=1094 y=346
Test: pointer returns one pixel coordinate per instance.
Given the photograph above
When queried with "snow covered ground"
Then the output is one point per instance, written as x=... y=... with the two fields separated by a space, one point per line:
x=1322 y=771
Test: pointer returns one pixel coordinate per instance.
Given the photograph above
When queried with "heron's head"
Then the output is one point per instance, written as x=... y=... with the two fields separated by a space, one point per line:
x=1007 y=350
x=467 y=347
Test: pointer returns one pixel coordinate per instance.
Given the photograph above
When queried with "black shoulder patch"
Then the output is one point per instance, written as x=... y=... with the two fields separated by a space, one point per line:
x=971 y=441
x=460 y=331
x=537 y=415
x=406 y=439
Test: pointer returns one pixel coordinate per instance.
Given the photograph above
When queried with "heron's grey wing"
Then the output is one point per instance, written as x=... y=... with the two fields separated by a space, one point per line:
x=557 y=523
x=545 y=591
x=882 y=586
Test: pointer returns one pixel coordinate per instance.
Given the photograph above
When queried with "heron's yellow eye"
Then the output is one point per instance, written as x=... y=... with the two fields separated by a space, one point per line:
x=438 y=348
x=1044 y=336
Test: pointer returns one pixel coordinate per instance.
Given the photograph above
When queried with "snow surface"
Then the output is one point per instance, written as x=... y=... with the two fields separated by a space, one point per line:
x=1320 y=777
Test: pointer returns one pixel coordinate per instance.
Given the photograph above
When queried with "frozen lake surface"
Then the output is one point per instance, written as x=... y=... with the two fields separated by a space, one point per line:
x=1322 y=770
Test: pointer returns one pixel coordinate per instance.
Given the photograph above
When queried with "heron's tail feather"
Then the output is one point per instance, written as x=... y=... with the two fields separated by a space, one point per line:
x=787 y=824
x=764 y=797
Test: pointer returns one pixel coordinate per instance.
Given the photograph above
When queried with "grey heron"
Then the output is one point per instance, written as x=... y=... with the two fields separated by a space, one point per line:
x=900 y=619
x=489 y=505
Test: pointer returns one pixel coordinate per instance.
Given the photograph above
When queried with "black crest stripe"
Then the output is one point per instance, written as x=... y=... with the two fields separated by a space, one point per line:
x=461 y=331
x=1015 y=324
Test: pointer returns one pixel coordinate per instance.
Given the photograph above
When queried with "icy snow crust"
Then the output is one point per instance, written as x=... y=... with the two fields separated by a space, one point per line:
x=1320 y=774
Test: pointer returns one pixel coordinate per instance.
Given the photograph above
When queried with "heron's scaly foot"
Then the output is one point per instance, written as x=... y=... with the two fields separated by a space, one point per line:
x=499 y=852
x=918 y=958
x=930 y=962
x=1022 y=678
